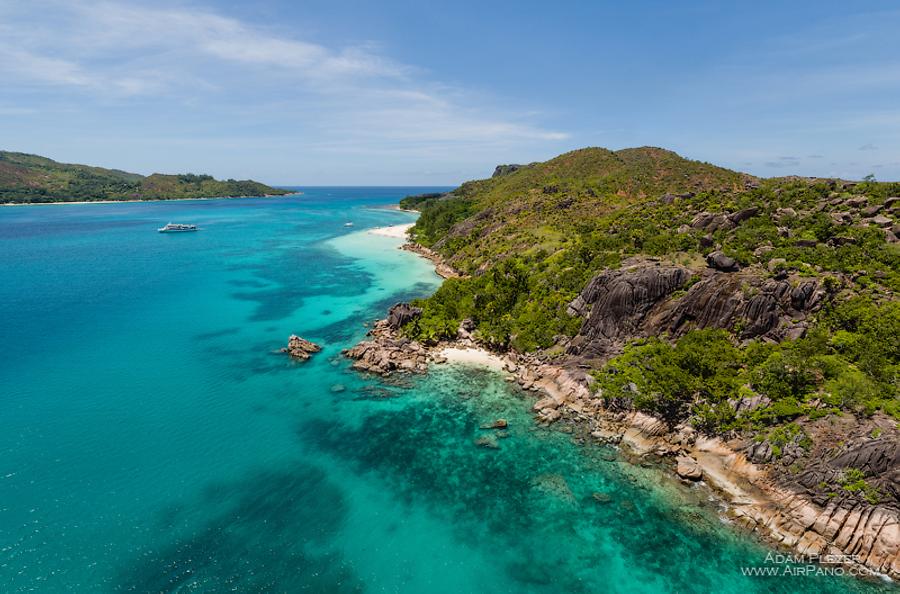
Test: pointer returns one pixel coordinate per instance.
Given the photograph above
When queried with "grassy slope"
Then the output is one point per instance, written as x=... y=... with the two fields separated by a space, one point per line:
x=31 y=178
x=531 y=240
x=540 y=205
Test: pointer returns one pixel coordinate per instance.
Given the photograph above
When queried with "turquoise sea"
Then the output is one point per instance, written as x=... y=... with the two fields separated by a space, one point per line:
x=152 y=440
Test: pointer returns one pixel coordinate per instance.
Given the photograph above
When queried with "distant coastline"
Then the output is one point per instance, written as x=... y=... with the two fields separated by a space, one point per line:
x=146 y=200
x=26 y=179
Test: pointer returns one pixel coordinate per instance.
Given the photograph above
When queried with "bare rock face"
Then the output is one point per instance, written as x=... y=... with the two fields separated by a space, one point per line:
x=402 y=313
x=616 y=302
x=300 y=348
x=742 y=215
x=877 y=459
x=746 y=405
x=502 y=170
x=688 y=468
x=756 y=305
x=620 y=305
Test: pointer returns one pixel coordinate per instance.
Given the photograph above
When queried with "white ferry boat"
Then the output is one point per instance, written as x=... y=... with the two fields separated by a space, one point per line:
x=177 y=228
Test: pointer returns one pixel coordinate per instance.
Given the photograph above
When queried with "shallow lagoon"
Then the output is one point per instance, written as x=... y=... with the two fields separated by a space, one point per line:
x=151 y=440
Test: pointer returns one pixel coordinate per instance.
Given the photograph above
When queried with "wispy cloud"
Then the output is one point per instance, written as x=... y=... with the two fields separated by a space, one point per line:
x=868 y=147
x=122 y=52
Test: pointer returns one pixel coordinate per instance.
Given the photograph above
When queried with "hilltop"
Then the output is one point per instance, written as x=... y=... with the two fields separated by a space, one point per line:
x=745 y=326
x=28 y=178
x=560 y=223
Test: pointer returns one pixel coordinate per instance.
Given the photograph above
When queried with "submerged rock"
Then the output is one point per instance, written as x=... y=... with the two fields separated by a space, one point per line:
x=498 y=424
x=555 y=485
x=487 y=441
x=300 y=348
x=601 y=497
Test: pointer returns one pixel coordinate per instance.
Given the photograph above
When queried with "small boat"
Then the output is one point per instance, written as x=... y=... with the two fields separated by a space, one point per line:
x=176 y=228
x=348 y=224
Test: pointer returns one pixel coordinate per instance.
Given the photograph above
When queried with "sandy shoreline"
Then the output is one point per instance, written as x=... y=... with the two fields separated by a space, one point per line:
x=472 y=356
x=398 y=231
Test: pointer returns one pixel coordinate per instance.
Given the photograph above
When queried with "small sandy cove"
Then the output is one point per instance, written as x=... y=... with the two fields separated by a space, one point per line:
x=472 y=357
x=398 y=231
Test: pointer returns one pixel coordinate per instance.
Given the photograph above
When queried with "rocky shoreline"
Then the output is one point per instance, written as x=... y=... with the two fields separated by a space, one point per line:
x=850 y=532
x=441 y=267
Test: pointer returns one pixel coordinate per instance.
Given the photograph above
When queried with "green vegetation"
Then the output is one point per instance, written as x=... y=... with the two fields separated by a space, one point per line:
x=569 y=218
x=506 y=305
x=849 y=361
x=854 y=481
x=529 y=241
x=30 y=178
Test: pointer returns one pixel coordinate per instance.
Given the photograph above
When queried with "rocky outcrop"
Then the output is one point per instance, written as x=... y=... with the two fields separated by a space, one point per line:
x=401 y=314
x=441 y=267
x=498 y=424
x=688 y=468
x=617 y=304
x=751 y=305
x=300 y=348
x=640 y=301
x=387 y=353
x=502 y=170
x=850 y=530
x=712 y=222
x=720 y=261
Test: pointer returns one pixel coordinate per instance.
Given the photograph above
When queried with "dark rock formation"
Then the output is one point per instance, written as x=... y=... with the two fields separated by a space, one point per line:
x=401 y=314
x=742 y=215
x=617 y=302
x=754 y=305
x=720 y=261
x=877 y=459
x=871 y=211
x=300 y=348
x=502 y=170
x=711 y=222
x=619 y=305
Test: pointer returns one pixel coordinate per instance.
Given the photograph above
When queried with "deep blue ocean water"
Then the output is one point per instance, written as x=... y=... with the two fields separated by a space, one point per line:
x=152 y=440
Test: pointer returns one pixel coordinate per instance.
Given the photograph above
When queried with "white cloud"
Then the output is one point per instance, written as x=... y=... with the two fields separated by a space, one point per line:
x=119 y=52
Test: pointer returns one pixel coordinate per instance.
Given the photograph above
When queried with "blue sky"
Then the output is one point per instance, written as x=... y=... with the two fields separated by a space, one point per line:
x=416 y=92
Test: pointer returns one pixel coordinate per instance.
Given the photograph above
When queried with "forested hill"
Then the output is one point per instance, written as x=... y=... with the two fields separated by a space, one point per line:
x=28 y=178
x=684 y=287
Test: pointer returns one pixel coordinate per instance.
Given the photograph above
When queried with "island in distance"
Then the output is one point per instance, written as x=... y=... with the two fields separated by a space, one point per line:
x=28 y=179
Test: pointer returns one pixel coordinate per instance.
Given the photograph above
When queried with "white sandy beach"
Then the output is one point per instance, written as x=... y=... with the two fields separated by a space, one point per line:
x=472 y=357
x=398 y=231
